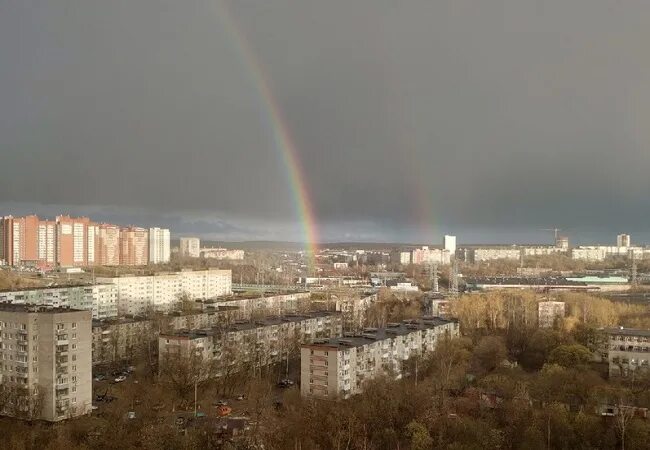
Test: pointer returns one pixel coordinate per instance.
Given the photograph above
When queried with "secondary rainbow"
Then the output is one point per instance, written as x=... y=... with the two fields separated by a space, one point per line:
x=282 y=139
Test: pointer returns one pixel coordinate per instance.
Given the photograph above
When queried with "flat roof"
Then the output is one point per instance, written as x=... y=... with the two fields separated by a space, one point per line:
x=251 y=325
x=10 y=307
x=628 y=331
x=370 y=335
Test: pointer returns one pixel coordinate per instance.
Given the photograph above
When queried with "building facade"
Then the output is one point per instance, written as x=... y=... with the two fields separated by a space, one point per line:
x=222 y=253
x=138 y=294
x=250 y=344
x=46 y=357
x=549 y=312
x=190 y=247
x=76 y=242
x=159 y=239
x=134 y=246
x=337 y=368
x=628 y=350
x=100 y=299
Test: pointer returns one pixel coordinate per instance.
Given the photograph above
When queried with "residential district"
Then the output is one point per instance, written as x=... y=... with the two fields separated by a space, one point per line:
x=102 y=323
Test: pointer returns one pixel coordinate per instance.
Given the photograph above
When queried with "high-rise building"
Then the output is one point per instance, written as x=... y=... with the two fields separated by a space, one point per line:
x=450 y=244
x=46 y=360
x=107 y=245
x=623 y=240
x=72 y=241
x=134 y=246
x=190 y=246
x=47 y=242
x=158 y=245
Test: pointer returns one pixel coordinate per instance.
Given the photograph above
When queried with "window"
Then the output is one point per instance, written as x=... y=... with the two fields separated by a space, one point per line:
x=74 y=325
x=74 y=346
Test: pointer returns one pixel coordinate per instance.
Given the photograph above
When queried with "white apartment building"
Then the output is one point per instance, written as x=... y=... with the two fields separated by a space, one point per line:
x=602 y=252
x=623 y=240
x=277 y=304
x=190 y=246
x=137 y=294
x=101 y=299
x=449 y=244
x=338 y=367
x=492 y=253
x=258 y=343
x=628 y=349
x=158 y=245
x=45 y=354
x=426 y=255
x=222 y=253
x=401 y=257
x=548 y=312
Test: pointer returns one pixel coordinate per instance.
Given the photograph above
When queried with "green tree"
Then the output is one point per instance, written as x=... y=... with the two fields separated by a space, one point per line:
x=573 y=355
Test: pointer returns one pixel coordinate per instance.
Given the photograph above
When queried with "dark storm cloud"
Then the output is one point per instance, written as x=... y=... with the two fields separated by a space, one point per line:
x=504 y=115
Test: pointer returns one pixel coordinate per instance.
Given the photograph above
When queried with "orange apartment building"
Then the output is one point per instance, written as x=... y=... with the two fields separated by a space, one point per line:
x=134 y=246
x=70 y=242
x=107 y=245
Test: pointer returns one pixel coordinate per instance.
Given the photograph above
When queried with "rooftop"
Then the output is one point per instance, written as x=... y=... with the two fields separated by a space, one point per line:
x=370 y=335
x=628 y=331
x=8 y=307
x=251 y=325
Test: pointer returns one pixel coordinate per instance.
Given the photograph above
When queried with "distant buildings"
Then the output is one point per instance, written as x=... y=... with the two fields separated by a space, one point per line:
x=338 y=367
x=623 y=240
x=222 y=253
x=138 y=294
x=46 y=361
x=190 y=247
x=549 y=312
x=74 y=242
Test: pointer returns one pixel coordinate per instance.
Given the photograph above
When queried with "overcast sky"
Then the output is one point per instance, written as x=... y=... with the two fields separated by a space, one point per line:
x=490 y=119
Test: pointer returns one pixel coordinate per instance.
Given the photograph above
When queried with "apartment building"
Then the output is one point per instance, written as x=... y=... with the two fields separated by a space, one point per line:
x=158 y=245
x=549 y=312
x=101 y=299
x=134 y=246
x=256 y=344
x=190 y=247
x=123 y=339
x=46 y=358
x=263 y=305
x=77 y=241
x=222 y=254
x=628 y=349
x=162 y=292
x=338 y=367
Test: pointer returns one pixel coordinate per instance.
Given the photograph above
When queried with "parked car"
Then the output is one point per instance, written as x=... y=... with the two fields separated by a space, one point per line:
x=285 y=383
x=120 y=379
x=100 y=377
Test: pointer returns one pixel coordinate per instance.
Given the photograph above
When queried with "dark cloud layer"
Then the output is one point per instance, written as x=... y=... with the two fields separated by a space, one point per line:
x=410 y=118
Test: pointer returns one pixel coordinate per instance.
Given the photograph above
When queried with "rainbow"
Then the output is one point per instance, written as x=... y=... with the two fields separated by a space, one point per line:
x=282 y=139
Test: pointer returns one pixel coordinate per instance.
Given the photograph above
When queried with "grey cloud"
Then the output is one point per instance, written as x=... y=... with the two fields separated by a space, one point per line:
x=477 y=116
